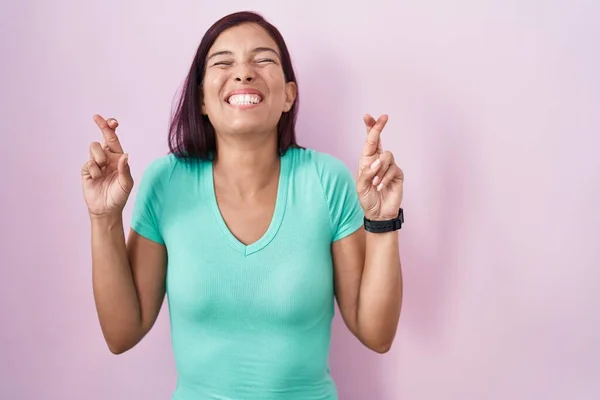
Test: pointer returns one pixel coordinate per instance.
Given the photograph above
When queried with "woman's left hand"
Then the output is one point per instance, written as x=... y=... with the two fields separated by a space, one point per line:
x=380 y=181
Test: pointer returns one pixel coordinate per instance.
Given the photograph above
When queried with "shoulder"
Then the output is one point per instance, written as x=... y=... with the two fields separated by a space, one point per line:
x=160 y=166
x=161 y=180
x=324 y=164
x=338 y=186
x=334 y=177
x=161 y=169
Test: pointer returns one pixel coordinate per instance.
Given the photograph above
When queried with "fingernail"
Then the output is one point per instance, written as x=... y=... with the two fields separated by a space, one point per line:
x=376 y=164
x=375 y=180
x=380 y=187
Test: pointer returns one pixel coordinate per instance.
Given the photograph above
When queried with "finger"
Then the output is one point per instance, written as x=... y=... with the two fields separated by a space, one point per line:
x=108 y=127
x=373 y=145
x=97 y=154
x=365 y=162
x=91 y=170
x=85 y=170
x=387 y=160
x=369 y=121
x=125 y=179
x=368 y=172
x=393 y=174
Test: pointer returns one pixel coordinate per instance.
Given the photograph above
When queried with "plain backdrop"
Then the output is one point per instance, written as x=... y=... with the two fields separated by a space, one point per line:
x=494 y=116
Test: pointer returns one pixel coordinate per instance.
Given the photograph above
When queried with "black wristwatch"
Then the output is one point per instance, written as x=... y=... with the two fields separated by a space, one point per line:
x=385 y=226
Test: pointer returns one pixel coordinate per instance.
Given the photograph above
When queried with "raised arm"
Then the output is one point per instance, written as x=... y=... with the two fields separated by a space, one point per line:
x=128 y=276
x=368 y=277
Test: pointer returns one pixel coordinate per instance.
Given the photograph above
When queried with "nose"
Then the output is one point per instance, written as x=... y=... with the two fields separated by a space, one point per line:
x=244 y=74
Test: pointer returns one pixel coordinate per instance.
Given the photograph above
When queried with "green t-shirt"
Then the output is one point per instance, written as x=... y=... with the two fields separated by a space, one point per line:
x=250 y=321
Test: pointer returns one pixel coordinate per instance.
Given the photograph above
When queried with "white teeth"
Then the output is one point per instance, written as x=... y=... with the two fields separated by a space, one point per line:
x=244 y=99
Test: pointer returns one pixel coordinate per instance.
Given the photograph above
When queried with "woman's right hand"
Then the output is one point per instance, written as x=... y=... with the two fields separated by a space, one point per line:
x=106 y=177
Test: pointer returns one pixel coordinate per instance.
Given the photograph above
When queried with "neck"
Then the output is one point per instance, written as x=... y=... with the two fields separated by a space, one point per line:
x=246 y=169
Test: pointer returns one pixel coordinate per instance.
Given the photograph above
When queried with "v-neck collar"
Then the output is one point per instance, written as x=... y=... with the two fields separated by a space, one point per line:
x=276 y=219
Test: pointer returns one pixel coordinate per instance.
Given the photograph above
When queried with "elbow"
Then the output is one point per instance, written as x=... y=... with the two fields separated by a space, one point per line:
x=381 y=348
x=376 y=339
x=121 y=341
x=378 y=345
x=117 y=348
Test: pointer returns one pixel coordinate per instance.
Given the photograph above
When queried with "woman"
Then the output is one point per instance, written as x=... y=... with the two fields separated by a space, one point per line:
x=261 y=234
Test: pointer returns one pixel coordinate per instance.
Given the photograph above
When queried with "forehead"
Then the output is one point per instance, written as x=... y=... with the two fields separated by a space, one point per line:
x=243 y=38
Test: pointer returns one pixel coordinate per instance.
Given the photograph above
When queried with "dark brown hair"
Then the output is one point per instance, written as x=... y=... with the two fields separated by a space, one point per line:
x=191 y=135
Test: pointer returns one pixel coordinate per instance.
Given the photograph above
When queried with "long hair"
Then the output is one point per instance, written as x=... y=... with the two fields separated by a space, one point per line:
x=191 y=135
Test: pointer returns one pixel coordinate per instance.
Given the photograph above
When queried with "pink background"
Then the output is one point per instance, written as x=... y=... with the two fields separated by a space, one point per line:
x=494 y=113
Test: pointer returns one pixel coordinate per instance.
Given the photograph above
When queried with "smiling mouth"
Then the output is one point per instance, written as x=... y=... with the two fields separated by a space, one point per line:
x=244 y=99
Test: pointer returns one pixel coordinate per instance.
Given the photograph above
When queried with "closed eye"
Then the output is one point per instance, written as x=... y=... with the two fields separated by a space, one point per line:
x=265 y=60
x=222 y=63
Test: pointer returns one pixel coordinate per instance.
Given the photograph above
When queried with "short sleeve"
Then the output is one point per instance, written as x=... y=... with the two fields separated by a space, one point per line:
x=345 y=211
x=147 y=208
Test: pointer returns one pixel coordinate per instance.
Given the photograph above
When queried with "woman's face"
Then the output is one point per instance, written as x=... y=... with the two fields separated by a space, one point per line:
x=244 y=86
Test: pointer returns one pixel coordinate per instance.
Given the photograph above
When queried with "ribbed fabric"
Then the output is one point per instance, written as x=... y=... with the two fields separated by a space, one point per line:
x=250 y=321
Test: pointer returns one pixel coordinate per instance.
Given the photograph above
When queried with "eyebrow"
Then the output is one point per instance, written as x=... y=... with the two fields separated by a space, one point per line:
x=256 y=50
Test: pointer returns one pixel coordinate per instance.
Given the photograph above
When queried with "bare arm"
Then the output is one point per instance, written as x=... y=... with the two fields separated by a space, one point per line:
x=368 y=277
x=128 y=279
x=368 y=285
x=128 y=282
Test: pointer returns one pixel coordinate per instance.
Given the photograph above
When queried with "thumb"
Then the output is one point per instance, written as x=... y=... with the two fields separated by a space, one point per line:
x=125 y=173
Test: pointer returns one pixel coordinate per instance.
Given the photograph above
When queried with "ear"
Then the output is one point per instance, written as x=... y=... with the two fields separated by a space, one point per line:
x=291 y=91
x=201 y=101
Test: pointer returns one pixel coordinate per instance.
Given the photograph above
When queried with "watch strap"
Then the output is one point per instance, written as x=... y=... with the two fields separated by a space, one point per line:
x=385 y=226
